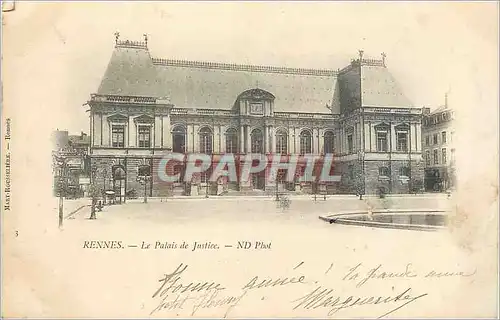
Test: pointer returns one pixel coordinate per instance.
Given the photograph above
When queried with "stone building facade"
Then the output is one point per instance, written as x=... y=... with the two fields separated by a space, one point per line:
x=147 y=107
x=438 y=148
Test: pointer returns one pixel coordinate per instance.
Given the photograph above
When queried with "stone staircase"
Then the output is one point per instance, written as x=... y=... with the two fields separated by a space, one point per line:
x=254 y=192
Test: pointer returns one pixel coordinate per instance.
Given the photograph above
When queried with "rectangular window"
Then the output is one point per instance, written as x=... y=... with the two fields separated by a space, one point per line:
x=402 y=141
x=404 y=171
x=144 y=136
x=427 y=140
x=443 y=155
x=350 y=146
x=118 y=136
x=144 y=171
x=382 y=141
x=436 y=156
x=427 y=158
x=443 y=137
x=384 y=172
x=256 y=108
x=435 y=138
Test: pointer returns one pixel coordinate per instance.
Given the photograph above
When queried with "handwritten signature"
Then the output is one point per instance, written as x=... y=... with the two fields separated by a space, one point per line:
x=324 y=298
x=174 y=293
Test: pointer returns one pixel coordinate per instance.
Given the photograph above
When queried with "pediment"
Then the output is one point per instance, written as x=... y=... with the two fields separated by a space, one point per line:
x=256 y=94
x=144 y=119
x=117 y=118
x=403 y=127
x=349 y=130
x=383 y=126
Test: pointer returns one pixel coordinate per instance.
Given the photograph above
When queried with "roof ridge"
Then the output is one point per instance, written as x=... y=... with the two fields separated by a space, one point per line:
x=364 y=62
x=243 y=67
x=131 y=44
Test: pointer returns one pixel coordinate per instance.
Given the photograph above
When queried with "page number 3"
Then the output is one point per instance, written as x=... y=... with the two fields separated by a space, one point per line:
x=17 y=233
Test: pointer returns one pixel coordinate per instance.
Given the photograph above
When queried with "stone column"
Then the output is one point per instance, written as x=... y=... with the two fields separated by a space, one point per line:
x=242 y=139
x=249 y=139
x=393 y=137
x=321 y=141
x=223 y=130
x=196 y=138
x=95 y=124
x=367 y=137
x=338 y=141
x=167 y=132
x=410 y=139
x=418 y=146
x=373 y=137
x=156 y=129
x=106 y=136
x=273 y=139
x=315 y=141
x=189 y=139
x=266 y=139
x=130 y=139
x=216 y=137
x=296 y=134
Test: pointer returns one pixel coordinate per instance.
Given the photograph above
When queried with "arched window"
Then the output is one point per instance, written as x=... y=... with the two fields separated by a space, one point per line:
x=305 y=142
x=231 y=141
x=329 y=142
x=257 y=141
x=281 y=142
x=179 y=139
x=205 y=140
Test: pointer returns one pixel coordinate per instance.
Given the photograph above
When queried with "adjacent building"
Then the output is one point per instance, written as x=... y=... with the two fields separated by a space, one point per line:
x=72 y=163
x=438 y=148
x=148 y=107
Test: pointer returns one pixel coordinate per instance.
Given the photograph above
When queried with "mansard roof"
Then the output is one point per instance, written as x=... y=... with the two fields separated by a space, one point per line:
x=130 y=72
x=208 y=85
x=192 y=84
x=380 y=88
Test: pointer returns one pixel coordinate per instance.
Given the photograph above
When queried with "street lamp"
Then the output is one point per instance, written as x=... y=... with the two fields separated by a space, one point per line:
x=104 y=176
x=60 y=163
x=93 y=192
x=360 y=177
x=277 y=187
x=144 y=177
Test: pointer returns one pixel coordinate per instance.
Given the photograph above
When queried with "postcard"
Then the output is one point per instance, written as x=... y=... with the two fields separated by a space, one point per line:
x=249 y=160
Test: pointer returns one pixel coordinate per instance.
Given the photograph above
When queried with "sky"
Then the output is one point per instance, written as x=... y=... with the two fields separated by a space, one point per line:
x=57 y=53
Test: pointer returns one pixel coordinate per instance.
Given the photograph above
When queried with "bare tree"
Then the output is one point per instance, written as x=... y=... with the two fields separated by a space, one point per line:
x=359 y=184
